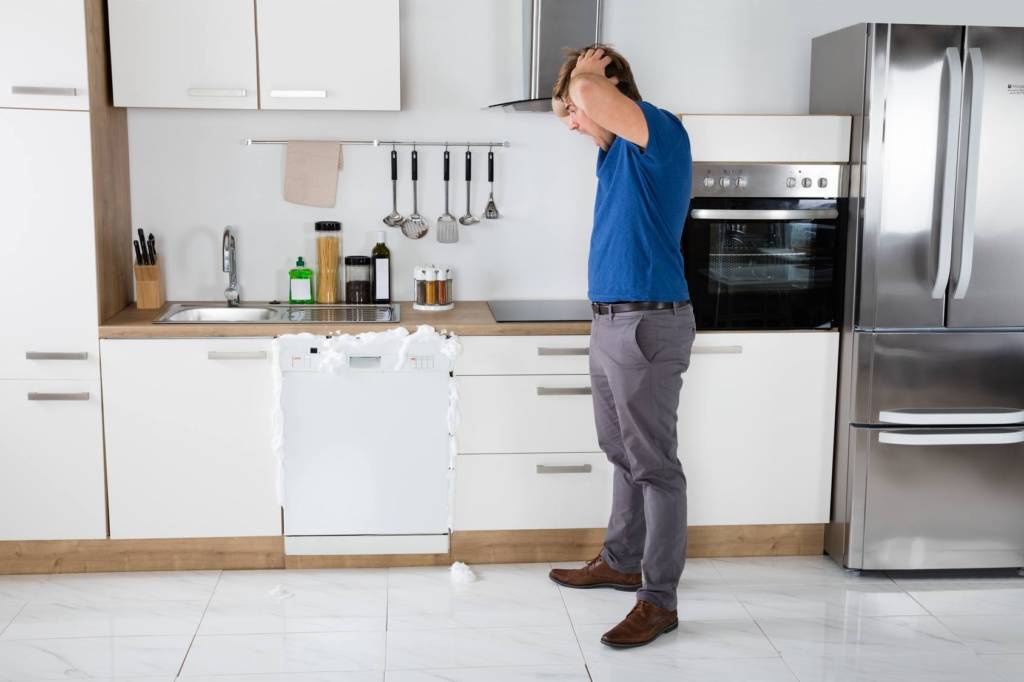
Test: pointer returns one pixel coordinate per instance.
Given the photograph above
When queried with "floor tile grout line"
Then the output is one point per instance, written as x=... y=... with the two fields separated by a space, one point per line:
x=11 y=622
x=572 y=626
x=199 y=625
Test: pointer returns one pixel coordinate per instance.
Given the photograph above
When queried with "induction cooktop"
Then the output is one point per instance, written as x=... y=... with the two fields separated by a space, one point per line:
x=540 y=311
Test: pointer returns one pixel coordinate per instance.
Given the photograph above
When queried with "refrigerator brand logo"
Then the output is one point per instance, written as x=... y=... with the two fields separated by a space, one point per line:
x=1015 y=88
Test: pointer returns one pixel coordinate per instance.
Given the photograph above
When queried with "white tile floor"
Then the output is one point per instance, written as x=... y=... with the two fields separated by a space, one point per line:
x=741 y=620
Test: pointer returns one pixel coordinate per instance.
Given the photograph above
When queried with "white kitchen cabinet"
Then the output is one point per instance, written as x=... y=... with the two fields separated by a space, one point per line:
x=497 y=355
x=756 y=424
x=183 y=53
x=329 y=54
x=188 y=436
x=756 y=421
x=43 y=54
x=51 y=460
x=48 y=269
x=517 y=491
x=508 y=414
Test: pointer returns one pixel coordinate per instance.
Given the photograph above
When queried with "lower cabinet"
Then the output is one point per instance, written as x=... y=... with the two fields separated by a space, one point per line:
x=51 y=459
x=188 y=436
x=756 y=424
x=524 y=491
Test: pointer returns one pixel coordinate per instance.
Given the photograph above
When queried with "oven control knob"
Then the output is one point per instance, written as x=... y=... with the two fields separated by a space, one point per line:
x=807 y=182
x=741 y=182
x=790 y=182
x=823 y=182
x=709 y=182
x=724 y=182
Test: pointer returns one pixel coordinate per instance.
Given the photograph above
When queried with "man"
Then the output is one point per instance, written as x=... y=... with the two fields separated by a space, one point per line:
x=642 y=331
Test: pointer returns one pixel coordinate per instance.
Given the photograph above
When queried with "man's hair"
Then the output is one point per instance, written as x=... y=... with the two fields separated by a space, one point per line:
x=618 y=68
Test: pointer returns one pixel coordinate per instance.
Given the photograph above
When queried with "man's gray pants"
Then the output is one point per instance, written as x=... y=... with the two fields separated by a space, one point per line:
x=637 y=361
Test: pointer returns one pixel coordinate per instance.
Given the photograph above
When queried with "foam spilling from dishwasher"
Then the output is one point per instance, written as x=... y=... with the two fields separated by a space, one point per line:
x=461 y=573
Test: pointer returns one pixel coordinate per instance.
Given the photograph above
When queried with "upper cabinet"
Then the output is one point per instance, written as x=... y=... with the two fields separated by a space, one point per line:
x=312 y=54
x=329 y=54
x=197 y=54
x=42 y=55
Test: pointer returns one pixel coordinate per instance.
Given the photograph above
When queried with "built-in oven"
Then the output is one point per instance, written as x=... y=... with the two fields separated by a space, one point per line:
x=763 y=245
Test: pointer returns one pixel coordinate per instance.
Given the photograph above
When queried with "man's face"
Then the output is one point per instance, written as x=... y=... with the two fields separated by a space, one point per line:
x=577 y=120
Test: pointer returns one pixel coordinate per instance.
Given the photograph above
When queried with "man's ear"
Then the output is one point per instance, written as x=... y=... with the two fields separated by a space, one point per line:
x=558 y=106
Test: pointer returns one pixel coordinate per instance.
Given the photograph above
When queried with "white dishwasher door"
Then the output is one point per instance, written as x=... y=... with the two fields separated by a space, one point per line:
x=366 y=446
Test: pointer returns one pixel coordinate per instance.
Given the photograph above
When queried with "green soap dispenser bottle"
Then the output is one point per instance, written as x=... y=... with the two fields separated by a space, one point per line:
x=300 y=283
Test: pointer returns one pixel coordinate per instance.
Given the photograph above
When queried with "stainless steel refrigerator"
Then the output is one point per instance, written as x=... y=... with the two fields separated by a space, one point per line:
x=929 y=469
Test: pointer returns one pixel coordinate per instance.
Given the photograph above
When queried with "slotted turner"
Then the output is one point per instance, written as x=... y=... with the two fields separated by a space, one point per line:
x=415 y=226
x=447 y=225
x=491 y=212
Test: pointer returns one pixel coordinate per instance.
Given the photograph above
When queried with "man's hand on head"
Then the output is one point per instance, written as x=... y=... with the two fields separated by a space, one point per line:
x=593 y=63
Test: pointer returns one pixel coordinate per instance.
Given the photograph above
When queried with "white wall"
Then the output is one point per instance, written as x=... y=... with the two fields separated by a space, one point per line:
x=191 y=175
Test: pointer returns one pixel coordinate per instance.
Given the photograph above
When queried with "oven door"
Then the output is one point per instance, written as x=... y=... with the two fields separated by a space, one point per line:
x=764 y=263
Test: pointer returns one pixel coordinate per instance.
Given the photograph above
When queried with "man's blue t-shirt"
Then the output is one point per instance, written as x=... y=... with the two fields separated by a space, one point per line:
x=639 y=213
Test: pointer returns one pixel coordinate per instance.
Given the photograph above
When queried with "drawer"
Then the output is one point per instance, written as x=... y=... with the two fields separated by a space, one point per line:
x=510 y=491
x=504 y=414
x=483 y=355
x=51 y=461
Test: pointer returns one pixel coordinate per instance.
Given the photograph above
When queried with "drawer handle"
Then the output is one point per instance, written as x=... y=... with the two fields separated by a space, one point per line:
x=572 y=469
x=318 y=94
x=42 y=90
x=217 y=92
x=951 y=417
x=580 y=390
x=45 y=355
x=562 y=351
x=237 y=355
x=58 y=396
x=716 y=350
x=963 y=438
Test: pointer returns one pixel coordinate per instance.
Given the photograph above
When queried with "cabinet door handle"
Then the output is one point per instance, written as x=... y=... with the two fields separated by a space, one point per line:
x=571 y=469
x=46 y=355
x=237 y=355
x=579 y=390
x=58 y=396
x=217 y=92
x=43 y=90
x=542 y=351
x=716 y=350
x=308 y=94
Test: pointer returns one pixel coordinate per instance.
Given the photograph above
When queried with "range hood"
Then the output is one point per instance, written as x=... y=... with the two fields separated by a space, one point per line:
x=549 y=26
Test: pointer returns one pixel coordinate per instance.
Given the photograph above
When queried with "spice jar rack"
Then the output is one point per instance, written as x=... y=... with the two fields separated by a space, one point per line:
x=433 y=287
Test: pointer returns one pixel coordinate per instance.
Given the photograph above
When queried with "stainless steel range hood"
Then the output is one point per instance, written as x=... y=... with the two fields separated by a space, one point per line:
x=549 y=26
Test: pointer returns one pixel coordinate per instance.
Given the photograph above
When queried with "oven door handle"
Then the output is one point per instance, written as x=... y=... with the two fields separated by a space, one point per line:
x=765 y=214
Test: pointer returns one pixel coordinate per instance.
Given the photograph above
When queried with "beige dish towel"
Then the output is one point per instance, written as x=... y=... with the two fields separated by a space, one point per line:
x=311 y=172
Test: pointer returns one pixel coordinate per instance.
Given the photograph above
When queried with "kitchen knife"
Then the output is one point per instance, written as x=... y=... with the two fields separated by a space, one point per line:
x=151 y=244
x=138 y=253
x=142 y=243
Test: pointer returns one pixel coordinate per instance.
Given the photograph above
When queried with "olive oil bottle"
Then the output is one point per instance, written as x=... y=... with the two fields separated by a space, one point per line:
x=381 y=255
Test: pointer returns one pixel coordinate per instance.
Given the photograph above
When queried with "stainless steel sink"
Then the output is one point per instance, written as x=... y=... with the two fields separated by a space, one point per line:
x=183 y=313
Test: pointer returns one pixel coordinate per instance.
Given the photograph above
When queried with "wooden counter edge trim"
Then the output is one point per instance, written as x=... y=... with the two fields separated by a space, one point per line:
x=474 y=547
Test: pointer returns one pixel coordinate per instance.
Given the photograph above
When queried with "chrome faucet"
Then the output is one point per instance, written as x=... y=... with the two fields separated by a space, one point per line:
x=232 y=293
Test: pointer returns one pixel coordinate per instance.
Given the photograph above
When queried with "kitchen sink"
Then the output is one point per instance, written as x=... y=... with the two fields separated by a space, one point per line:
x=183 y=313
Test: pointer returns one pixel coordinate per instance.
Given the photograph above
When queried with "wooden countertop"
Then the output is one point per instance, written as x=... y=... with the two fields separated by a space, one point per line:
x=469 y=318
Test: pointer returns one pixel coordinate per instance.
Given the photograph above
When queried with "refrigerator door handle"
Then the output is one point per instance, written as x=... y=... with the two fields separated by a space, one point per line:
x=954 y=438
x=976 y=63
x=918 y=417
x=945 y=258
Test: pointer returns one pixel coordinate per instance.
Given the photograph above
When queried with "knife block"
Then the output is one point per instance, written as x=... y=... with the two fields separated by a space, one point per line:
x=149 y=287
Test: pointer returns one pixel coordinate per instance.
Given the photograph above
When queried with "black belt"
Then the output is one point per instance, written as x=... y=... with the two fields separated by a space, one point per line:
x=634 y=306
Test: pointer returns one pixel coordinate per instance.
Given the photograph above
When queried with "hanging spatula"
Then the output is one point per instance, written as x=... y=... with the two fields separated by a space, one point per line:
x=491 y=212
x=447 y=225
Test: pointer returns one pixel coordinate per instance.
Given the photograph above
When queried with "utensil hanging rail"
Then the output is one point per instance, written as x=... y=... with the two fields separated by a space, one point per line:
x=396 y=143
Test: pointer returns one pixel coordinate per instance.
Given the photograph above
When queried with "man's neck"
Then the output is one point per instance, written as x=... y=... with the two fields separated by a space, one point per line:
x=605 y=139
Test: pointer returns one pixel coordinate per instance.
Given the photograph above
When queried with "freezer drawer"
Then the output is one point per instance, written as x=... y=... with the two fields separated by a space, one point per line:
x=938 y=498
x=939 y=378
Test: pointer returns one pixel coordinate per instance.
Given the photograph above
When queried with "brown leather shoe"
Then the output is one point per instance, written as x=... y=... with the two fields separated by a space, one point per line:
x=643 y=625
x=596 y=573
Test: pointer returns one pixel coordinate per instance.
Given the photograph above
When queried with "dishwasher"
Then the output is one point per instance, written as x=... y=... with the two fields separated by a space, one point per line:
x=364 y=436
